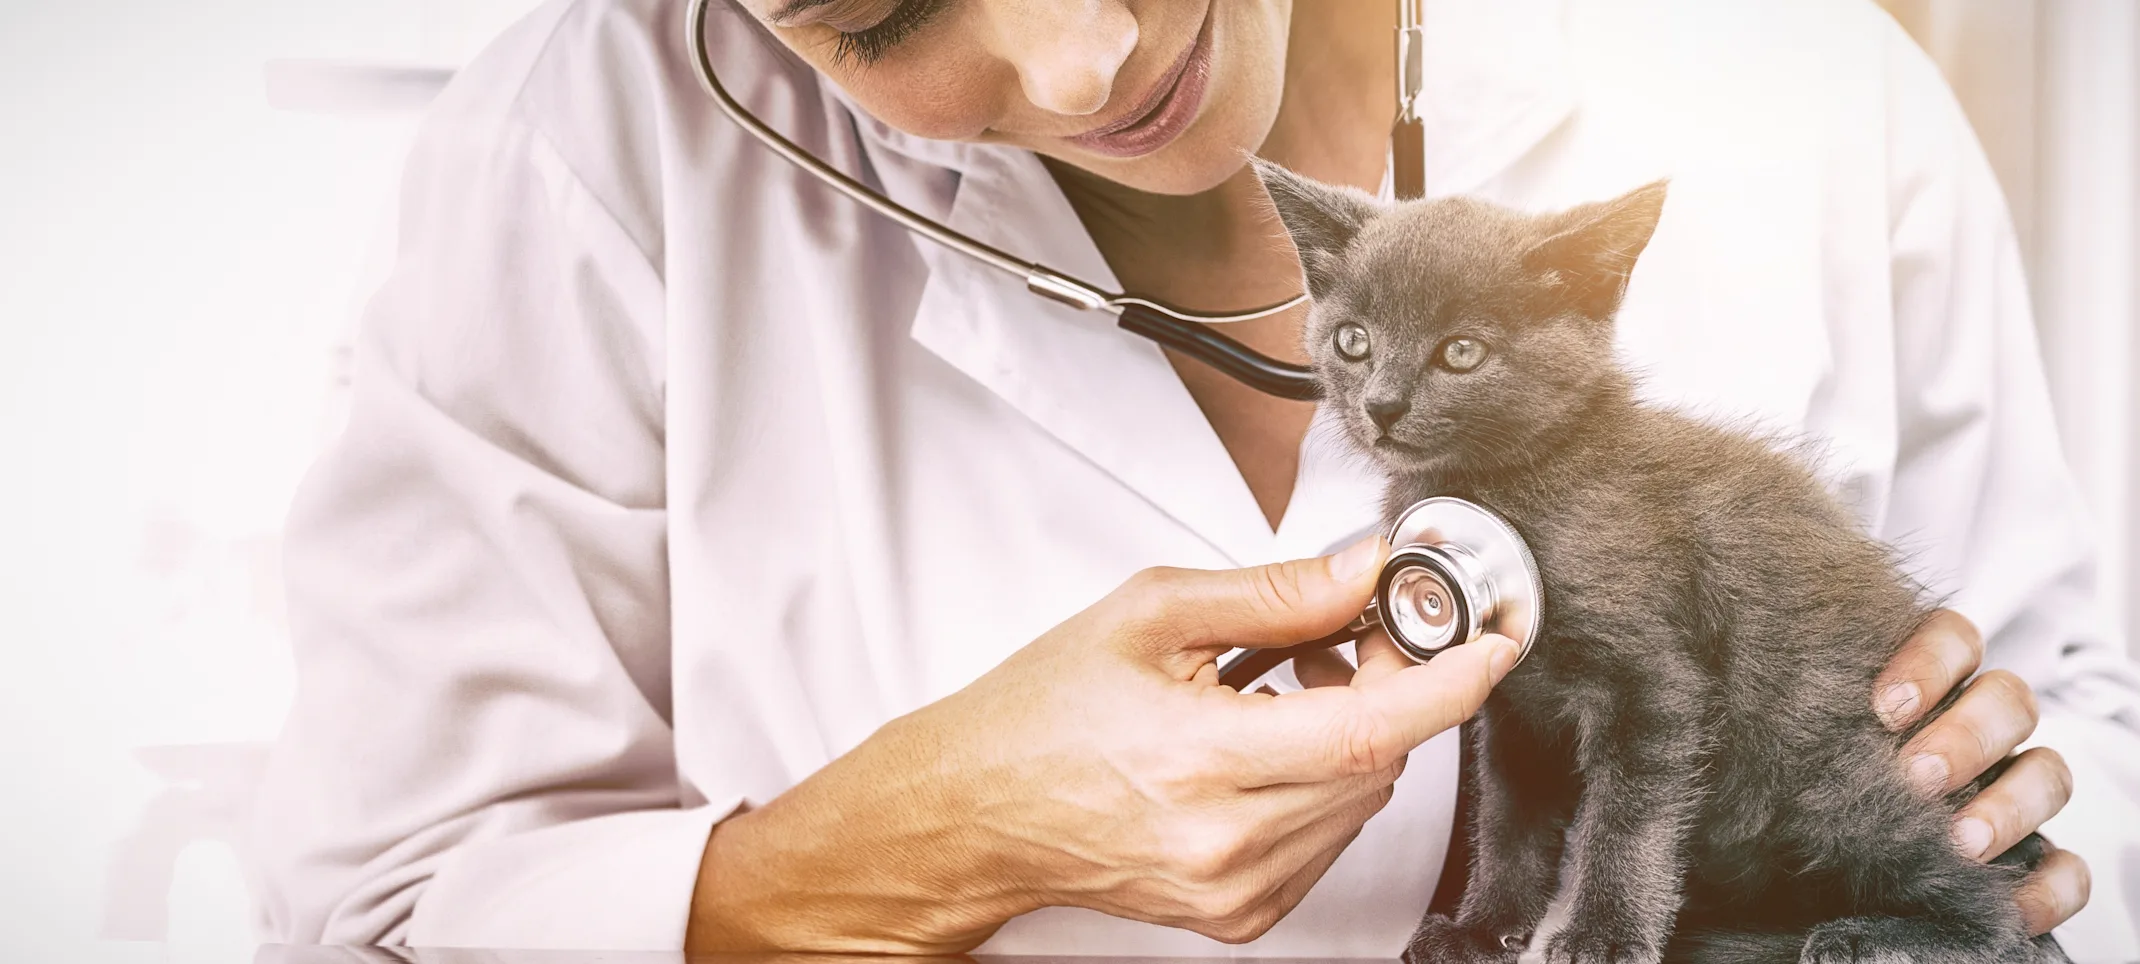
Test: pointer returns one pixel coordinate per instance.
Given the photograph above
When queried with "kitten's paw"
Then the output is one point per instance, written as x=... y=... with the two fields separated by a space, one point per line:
x=1591 y=945
x=1857 y=941
x=1896 y=940
x=1440 y=940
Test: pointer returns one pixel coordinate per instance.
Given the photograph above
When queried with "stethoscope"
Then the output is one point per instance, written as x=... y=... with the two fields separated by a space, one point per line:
x=1456 y=570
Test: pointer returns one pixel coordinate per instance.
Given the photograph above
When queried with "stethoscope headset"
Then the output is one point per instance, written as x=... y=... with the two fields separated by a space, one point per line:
x=1456 y=570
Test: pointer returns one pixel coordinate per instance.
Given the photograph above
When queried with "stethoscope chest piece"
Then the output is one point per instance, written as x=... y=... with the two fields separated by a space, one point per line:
x=1457 y=571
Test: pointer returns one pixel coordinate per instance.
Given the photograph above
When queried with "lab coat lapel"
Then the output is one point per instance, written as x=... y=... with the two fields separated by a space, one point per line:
x=1107 y=394
x=1498 y=83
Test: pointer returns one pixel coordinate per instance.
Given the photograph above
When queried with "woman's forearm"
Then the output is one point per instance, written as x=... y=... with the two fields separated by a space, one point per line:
x=873 y=854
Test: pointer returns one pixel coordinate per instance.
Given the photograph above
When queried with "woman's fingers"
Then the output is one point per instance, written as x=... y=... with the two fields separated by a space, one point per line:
x=1288 y=810
x=1244 y=891
x=1378 y=656
x=1298 y=863
x=1245 y=912
x=1943 y=652
x=1289 y=894
x=1990 y=719
x=2054 y=892
x=1169 y=614
x=1322 y=667
x=2032 y=790
x=1316 y=735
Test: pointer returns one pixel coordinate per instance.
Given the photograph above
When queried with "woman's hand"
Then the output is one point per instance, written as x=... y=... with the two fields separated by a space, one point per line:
x=1980 y=729
x=1102 y=766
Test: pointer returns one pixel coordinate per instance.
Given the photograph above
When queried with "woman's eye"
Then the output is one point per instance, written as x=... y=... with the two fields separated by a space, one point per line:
x=870 y=44
x=1462 y=354
x=1351 y=341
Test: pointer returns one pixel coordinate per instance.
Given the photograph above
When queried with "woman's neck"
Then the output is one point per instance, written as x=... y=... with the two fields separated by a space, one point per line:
x=1340 y=93
x=1220 y=250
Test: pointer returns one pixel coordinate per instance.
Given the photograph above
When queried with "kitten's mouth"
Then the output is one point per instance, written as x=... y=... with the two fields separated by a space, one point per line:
x=1387 y=447
x=1410 y=457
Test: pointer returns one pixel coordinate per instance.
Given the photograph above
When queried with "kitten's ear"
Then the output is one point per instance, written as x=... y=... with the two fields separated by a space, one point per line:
x=1322 y=218
x=1595 y=248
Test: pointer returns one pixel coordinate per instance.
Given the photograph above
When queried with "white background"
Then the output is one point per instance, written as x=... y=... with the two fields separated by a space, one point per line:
x=178 y=261
x=2053 y=89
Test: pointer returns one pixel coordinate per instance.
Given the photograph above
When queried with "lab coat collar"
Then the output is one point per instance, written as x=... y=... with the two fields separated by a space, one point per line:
x=1497 y=83
x=1110 y=396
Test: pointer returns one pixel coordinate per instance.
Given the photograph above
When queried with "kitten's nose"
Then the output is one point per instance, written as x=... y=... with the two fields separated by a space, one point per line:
x=1386 y=411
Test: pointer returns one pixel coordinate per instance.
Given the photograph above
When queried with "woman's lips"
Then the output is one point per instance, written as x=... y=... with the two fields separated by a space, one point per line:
x=1167 y=112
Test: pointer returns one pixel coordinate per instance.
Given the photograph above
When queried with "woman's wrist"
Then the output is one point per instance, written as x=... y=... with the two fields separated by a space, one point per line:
x=876 y=853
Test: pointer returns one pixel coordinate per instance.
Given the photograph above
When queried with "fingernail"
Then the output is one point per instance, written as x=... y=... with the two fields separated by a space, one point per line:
x=1356 y=559
x=1897 y=702
x=1929 y=772
x=1503 y=658
x=1972 y=837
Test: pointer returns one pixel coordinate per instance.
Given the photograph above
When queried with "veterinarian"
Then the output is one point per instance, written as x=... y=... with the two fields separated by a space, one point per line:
x=708 y=563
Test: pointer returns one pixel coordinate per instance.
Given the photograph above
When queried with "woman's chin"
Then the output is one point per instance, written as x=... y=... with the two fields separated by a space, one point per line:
x=1214 y=148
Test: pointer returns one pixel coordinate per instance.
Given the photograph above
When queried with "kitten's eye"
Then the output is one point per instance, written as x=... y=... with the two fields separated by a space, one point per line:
x=1351 y=341
x=1462 y=354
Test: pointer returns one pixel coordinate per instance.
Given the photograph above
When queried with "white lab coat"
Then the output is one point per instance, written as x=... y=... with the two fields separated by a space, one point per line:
x=670 y=476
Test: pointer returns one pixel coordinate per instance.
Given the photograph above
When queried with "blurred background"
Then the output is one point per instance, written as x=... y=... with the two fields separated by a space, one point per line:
x=192 y=203
x=191 y=196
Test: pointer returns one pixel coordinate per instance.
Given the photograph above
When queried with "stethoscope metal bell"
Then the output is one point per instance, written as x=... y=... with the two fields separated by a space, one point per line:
x=1455 y=572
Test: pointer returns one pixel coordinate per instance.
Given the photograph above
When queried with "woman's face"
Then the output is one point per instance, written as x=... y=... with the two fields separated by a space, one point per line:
x=1166 y=96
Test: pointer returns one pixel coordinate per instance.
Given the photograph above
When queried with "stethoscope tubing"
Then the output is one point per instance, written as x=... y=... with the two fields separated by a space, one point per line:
x=1182 y=331
x=1233 y=359
x=1244 y=668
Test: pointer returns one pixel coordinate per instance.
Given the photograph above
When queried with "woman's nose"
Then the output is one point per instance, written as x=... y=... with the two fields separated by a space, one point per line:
x=1068 y=53
x=1387 y=409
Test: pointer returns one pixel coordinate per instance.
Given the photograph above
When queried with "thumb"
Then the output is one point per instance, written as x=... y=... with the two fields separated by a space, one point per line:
x=1276 y=605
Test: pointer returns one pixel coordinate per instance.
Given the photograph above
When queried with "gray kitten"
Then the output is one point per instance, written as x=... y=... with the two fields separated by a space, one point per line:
x=1693 y=735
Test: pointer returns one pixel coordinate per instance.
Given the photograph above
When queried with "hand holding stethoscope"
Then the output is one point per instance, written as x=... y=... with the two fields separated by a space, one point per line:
x=1095 y=768
x=1457 y=571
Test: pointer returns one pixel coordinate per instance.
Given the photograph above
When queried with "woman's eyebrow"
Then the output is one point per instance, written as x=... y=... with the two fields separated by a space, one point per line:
x=789 y=9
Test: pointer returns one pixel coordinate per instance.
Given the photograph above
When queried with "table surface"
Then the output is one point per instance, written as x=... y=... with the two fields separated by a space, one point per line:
x=302 y=954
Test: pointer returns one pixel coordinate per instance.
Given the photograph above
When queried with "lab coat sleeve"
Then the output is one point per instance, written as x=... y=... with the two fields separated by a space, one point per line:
x=480 y=750
x=1983 y=500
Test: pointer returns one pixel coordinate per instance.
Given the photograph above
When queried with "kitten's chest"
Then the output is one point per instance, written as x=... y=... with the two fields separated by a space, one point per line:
x=1600 y=549
x=1612 y=580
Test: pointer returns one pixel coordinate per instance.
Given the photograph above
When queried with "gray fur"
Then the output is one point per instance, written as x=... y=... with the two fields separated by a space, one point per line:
x=1693 y=735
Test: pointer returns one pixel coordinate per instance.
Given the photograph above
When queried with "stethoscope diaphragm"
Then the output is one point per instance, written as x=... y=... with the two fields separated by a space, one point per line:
x=1456 y=571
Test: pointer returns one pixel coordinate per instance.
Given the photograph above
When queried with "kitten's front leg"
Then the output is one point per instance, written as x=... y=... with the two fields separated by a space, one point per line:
x=1523 y=797
x=1640 y=760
